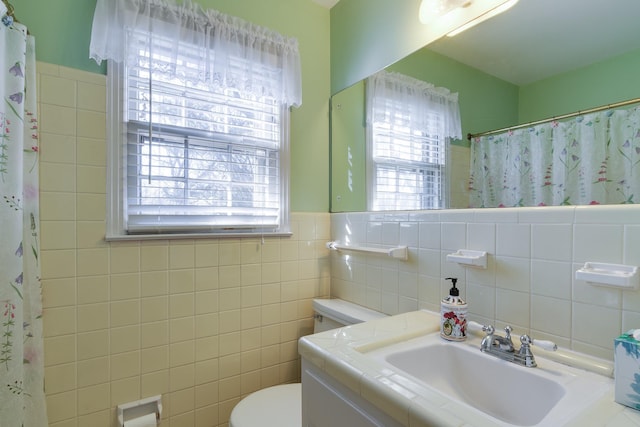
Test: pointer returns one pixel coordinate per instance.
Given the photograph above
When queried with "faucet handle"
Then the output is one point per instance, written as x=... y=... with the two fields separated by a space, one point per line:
x=476 y=327
x=547 y=345
x=525 y=354
x=507 y=332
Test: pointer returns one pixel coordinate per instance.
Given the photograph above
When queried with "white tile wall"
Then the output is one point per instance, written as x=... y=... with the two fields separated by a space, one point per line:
x=529 y=282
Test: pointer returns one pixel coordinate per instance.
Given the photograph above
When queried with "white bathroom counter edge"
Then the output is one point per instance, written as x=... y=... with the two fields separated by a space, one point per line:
x=339 y=353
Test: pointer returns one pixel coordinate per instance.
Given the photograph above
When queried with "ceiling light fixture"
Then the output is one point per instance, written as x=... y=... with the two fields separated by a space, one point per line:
x=490 y=14
x=433 y=9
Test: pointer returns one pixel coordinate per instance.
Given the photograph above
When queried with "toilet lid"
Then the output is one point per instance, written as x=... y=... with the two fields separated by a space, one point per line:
x=278 y=406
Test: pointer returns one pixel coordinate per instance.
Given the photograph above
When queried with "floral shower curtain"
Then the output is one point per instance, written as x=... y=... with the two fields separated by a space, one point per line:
x=22 y=401
x=589 y=159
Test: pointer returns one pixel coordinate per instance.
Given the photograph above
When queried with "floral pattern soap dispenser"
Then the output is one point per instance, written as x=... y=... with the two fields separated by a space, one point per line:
x=453 y=315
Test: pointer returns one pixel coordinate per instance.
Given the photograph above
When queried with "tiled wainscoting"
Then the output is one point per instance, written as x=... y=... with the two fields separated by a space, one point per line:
x=529 y=282
x=202 y=322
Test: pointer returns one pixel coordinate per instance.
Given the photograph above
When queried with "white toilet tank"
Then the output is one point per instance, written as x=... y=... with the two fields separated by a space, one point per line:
x=335 y=313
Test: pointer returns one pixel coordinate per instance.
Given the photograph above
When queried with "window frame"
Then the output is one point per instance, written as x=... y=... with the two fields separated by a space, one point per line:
x=117 y=151
x=373 y=163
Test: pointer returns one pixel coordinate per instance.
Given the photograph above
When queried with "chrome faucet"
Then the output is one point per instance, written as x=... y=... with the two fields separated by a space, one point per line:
x=502 y=347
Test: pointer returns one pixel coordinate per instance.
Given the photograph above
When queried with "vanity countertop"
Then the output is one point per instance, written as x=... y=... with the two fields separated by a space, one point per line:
x=340 y=354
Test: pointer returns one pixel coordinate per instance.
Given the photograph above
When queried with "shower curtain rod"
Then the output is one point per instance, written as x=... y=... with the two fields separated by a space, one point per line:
x=11 y=12
x=564 y=116
x=10 y=8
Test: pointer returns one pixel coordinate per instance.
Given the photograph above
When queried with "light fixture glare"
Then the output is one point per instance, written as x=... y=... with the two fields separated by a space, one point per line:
x=490 y=14
x=432 y=9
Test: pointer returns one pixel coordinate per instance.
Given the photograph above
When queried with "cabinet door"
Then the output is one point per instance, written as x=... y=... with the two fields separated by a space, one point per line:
x=327 y=403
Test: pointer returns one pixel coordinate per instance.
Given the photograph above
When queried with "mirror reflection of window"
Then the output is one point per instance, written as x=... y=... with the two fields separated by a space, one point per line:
x=408 y=125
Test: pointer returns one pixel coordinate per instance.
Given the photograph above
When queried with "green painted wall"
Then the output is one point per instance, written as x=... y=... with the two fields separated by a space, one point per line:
x=365 y=37
x=599 y=84
x=348 y=148
x=486 y=102
x=63 y=30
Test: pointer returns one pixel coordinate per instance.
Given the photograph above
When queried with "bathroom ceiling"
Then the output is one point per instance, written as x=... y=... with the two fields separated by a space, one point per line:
x=540 y=38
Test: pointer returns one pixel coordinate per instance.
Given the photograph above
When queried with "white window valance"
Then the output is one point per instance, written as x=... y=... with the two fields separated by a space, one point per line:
x=214 y=48
x=414 y=102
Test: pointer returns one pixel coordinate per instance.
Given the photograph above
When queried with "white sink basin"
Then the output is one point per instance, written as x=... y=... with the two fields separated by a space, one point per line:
x=548 y=395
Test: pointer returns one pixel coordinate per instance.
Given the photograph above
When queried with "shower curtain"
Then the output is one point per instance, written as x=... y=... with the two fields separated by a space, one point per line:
x=590 y=159
x=22 y=401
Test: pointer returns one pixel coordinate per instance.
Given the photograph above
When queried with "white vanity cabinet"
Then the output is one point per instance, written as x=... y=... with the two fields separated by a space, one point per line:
x=327 y=403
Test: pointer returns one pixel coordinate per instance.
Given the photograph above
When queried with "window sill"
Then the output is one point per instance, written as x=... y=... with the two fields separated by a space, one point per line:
x=133 y=237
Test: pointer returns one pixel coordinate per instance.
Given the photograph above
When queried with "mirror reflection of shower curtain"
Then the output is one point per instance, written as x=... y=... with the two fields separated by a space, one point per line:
x=586 y=160
x=21 y=348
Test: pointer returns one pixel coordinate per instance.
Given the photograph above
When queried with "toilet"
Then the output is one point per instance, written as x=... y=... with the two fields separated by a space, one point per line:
x=281 y=405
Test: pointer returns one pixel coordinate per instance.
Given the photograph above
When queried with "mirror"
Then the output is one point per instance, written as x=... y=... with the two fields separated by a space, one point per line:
x=538 y=60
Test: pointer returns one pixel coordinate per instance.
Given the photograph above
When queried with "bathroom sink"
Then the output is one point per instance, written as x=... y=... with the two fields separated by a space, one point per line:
x=548 y=395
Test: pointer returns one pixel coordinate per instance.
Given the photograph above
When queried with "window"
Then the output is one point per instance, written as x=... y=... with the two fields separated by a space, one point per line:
x=407 y=130
x=407 y=165
x=199 y=158
x=195 y=149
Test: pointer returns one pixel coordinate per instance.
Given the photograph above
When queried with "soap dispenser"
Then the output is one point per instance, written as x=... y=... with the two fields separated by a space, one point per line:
x=453 y=315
